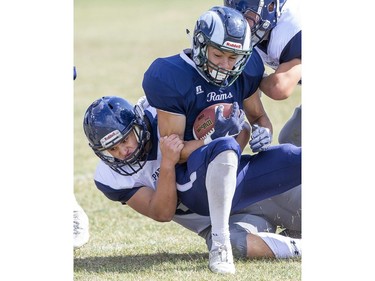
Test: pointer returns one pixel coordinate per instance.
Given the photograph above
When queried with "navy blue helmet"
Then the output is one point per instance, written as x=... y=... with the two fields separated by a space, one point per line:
x=107 y=122
x=227 y=30
x=262 y=15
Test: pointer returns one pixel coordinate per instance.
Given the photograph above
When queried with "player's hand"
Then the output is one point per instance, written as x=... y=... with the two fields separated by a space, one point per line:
x=261 y=138
x=230 y=126
x=171 y=147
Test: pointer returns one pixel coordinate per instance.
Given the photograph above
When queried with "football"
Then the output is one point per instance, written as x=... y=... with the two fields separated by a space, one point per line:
x=205 y=122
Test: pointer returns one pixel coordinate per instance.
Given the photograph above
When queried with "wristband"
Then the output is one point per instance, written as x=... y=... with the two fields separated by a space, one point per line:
x=207 y=140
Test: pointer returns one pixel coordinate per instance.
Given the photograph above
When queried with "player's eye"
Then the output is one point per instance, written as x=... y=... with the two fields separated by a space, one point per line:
x=113 y=149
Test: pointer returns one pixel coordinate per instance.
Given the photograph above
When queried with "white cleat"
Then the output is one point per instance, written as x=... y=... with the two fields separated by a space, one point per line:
x=80 y=227
x=221 y=260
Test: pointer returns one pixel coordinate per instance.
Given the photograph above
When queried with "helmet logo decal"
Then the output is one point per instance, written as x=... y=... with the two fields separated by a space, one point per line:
x=110 y=138
x=233 y=45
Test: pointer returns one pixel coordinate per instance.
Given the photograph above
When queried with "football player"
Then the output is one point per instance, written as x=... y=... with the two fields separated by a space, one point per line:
x=138 y=168
x=221 y=67
x=276 y=34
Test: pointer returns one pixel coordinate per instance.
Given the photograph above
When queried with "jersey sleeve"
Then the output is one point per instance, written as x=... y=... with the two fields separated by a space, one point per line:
x=120 y=195
x=252 y=75
x=293 y=50
x=113 y=185
x=165 y=84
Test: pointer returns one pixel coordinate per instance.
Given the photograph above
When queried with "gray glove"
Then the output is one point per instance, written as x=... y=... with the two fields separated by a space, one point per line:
x=261 y=138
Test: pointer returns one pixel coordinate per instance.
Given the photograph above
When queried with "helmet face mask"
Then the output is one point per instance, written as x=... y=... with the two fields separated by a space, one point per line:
x=226 y=30
x=107 y=122
x=262 y=15
x=220 y=75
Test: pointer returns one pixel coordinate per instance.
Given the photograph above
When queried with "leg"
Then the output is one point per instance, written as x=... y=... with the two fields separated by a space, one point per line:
x=267 y=174
x=282 y=247
x=241 y=224
x=257 y=248
x=220 y=192
x=283 y=210
x=248 y=242
x=260 y=176
x=291 y=132
x=191 y=176
x=205 y=193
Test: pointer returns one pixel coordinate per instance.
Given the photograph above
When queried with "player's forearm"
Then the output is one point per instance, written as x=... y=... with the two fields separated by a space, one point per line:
x=280 y=84
x=263 y=121
x=189 y=147
x=244 y=136
x=164 y=201
x=275 y=88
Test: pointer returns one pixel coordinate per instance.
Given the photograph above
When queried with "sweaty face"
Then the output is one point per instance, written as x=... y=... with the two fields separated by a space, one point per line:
x=124 y=148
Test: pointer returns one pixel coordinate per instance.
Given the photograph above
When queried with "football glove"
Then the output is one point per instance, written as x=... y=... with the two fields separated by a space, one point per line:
x=225 y=127
x=261 y=138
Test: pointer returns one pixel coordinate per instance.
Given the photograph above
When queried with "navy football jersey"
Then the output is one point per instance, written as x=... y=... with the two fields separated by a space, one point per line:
x=174 y=85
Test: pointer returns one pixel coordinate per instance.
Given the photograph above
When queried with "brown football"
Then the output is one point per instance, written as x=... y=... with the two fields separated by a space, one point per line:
x=205 y=122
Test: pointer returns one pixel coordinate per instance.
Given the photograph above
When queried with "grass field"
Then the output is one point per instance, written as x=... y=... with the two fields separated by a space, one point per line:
x=114 y=43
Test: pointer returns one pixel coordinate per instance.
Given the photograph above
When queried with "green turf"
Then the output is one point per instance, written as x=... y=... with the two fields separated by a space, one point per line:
x=114 y=43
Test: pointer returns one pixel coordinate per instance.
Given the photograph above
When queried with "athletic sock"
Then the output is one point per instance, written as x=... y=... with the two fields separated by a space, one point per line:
x=282 y=247
x=221 y=184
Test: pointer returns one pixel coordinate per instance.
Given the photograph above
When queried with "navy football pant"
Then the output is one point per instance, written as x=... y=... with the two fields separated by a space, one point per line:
x=259 y=176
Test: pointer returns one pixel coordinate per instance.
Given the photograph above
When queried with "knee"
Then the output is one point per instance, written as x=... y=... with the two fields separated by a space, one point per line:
x=292 y=152
x=225 y=143
x=291 y=132
x=285 y=150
